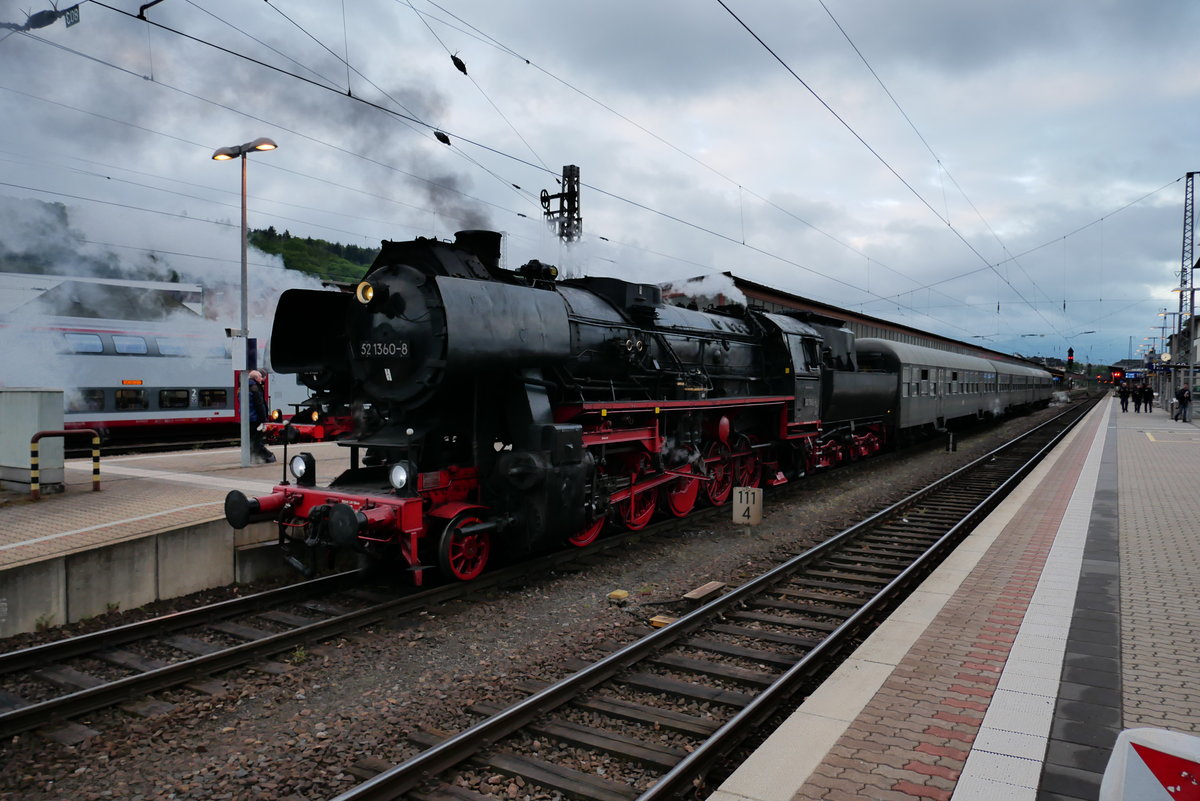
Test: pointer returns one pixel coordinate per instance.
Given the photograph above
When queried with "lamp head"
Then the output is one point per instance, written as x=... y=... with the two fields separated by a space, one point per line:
x=226 y=153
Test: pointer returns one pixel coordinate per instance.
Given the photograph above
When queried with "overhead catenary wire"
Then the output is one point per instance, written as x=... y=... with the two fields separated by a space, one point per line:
x=942 y=168
x=879 y=157
x=518 y=159
x=646 y=207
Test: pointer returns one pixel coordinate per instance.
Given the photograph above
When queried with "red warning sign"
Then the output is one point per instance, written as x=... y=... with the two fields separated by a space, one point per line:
x=1153 y=765
x=1178 y=776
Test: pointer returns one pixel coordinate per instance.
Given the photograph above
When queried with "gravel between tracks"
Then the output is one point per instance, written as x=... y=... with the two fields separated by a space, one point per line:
x=293 y=736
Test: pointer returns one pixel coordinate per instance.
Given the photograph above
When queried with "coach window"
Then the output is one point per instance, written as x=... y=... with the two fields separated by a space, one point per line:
x=172 y=347
x=86 y=400
x=84 y=343
x=212 y=398
x=128 y=399
x=129 y=345
x=172 y=399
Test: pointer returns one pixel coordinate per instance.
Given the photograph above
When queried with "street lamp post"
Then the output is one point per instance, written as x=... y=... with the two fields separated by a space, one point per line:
x=225 y=154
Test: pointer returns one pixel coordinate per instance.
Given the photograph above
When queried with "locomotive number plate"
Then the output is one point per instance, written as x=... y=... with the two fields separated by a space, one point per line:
x=383 y=350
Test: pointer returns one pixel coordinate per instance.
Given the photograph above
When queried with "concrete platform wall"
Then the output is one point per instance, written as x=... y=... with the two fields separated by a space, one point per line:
x=130 y=574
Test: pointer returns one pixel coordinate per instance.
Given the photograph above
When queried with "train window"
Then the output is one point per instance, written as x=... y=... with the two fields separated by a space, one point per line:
x=131 y=399
x=213 y=398
x=924 y=374
x=128 y=344
x=810 y=354
x=84 y=343
x=172 y=399
x=85 y=400
x=169 y=346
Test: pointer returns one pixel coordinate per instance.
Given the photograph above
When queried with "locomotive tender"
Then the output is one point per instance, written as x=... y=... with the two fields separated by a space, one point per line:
x=506 y=408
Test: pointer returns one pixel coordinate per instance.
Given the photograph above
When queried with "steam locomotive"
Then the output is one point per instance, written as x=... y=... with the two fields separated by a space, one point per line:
x=506 y=408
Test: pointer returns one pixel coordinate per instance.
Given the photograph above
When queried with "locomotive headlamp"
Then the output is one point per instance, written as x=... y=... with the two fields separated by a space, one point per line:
x=275 y=415
x=369 y=294
x=314 y=415
x=398 y=475
x=304 y=469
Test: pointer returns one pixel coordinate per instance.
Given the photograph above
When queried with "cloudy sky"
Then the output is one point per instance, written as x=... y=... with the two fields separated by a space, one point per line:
x=1009 y=173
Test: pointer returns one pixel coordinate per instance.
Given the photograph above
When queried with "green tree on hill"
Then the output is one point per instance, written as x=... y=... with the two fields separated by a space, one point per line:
x=330 y=261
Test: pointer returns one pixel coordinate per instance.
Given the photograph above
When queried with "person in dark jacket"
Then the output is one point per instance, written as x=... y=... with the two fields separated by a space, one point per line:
x=258 y=415
x=1123 y=394
x=1147 y=398
x=1184 y=396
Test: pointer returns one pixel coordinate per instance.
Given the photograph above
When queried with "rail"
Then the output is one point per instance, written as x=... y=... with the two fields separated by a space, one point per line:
x=35 y=486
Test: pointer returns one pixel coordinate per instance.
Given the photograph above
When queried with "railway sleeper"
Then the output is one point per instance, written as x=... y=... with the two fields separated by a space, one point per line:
x=848 y=574
x=807 y=609
x=883 y=552
x=772 y=658
x=651 y=755
x=445 y=792
x=705 y=667
x=832 y=586
x=546 y=774
x=621 y=709
x=664 y=685
x=820 y=597
x=790 y=622
x=130 y=660
x=8 y=701
x=857 y=565
x=68 y=678
x=765 y=635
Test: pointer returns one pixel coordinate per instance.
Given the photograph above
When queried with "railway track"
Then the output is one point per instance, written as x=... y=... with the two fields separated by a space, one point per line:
x=122 y=666
x=739 y=657
x=78 y=675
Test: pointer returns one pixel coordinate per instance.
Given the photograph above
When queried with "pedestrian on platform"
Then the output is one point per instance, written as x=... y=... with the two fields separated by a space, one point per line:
x=258 y=416
x=1136 y=393
x=1184 y=396
x=1148 y=397
x=1123 y=394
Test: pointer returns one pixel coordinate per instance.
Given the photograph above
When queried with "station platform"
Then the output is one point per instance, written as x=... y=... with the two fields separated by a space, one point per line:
x=1069 y=615
x=156 y=529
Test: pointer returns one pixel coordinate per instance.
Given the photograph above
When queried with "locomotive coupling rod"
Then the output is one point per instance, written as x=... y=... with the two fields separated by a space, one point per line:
x=480 y=528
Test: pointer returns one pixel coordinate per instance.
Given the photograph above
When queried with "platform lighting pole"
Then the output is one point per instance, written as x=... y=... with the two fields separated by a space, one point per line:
x=1158 y=362
x=1177 y=334
x=1186 y=268
x=225 y=154
x=1188 y=320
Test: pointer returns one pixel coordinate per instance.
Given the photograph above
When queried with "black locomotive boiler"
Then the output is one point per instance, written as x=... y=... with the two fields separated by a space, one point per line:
x=506 y=408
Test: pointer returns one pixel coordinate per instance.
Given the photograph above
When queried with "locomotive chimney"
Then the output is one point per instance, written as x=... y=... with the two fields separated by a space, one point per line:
x=484 y=245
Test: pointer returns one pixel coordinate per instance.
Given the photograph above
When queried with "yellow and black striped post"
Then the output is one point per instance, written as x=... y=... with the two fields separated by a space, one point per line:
x=35 y=488
x=95 y=462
